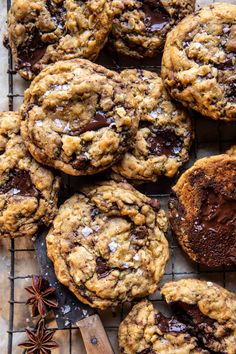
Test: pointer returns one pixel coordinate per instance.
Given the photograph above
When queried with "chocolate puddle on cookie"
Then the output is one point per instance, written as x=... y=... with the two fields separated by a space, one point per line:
x=58 y=13
x=156 y=15
x=30 y=53
x=213 y=233
x=164 y=142
x=19 y=183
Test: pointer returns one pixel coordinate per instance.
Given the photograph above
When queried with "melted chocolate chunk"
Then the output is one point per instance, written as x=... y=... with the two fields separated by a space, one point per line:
x=102 y=269
x=99 y=121
x=213 y=233
x=57 y=12
x=81 y=163
x=19 y=183
x=190 y=314
x=139 y=232
x=167 y=325
x=164 y=142
x=31 y=52
x=94 y=213
x=156 y=15
x=147 y=351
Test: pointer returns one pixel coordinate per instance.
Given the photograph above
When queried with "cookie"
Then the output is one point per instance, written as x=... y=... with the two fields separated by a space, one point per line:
x=28 y=191
x=85 y=114
x=140 y=28
x=202 y=321
x=164 y=135
x=232 y=151
x=108 y=245
x=46 y=31
x=199 y=61
x=207 y=309
x=203 y=211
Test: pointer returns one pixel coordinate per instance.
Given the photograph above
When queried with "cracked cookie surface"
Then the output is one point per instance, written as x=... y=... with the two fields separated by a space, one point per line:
x=28 y=191
x=84 y=112
x=164 y=135
x=202 y=321
x=199 y=61
x=203 y=211
x=46 y=31
x=140 y=28
x=108 y=245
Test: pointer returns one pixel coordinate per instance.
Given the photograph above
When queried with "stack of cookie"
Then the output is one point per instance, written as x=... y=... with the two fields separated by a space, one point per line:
x=108 y=242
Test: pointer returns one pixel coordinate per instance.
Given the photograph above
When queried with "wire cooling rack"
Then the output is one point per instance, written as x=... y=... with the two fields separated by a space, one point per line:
x=210 y=138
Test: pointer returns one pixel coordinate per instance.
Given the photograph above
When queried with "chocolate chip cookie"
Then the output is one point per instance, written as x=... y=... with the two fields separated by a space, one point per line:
x=203 y=321
x=203 y=211
x=108 y=245
x=199 y=61
x=208 y=311
x=79 y=117
x=45 y=31
x=139 y=30
x=28 y=191
x=164 y=135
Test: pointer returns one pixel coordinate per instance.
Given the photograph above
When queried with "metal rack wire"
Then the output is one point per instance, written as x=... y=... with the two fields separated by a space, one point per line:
x=158 y=190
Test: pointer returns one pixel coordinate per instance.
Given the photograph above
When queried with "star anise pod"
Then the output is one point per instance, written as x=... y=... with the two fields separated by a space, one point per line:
x=39 y=340
x=42 y=299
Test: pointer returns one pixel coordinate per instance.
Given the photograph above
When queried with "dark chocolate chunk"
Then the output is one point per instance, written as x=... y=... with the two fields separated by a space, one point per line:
x=213 y=232
x=139 y=232
x=19 y=183
x=57 y=12
x=100 y=120
x=167 y=325
x=155 y=204
x=156 y=15
x=81 y=163
x=94 y=213
x=147 y=351
x=102 y=269
x=164 y=142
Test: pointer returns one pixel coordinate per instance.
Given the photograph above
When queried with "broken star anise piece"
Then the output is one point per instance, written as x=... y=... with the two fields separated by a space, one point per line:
x=42 y=299
x=39 y=340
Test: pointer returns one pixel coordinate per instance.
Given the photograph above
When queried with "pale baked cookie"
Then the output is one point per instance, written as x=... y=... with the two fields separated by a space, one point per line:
x=140 y=28
x=108 y=245
x=203 y=321
x=45 y=31
x=79 y=117
x=203 y=211
x=207 y=309
x=28 y=191
x=164 y=135
x=199 y=61
x=232 y=151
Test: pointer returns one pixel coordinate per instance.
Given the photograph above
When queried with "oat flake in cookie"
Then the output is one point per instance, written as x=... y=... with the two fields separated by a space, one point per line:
x=28 y=191
x=45 y=31
x=199 y=61
x=108 y=245
x=164 y=135
x=203 y=211
x=202 y=322
x=140 y=28
x=79 y=117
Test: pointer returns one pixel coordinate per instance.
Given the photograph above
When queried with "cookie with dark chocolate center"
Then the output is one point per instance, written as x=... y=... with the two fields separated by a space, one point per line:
x=203 y=211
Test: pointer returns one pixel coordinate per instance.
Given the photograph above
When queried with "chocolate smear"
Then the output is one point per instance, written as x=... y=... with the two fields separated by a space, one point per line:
x=156 y=15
